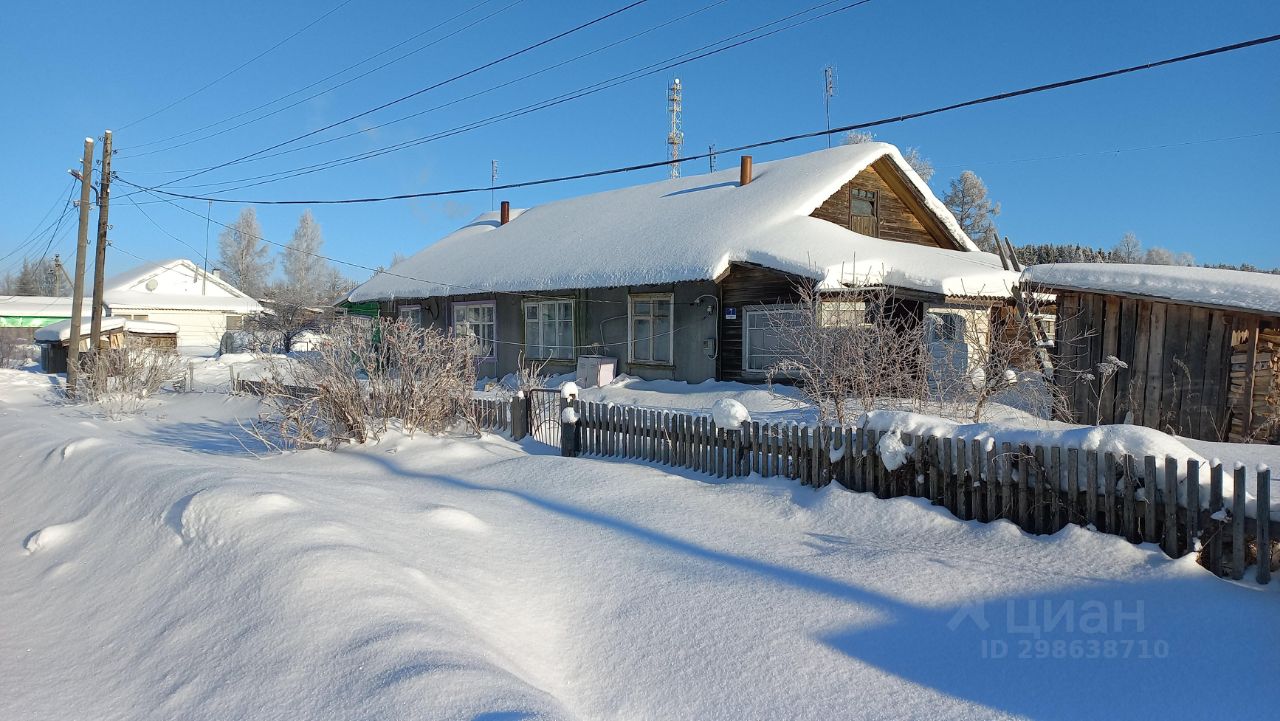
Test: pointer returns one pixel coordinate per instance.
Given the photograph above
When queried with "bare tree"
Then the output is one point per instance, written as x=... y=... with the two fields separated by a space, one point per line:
x=1128 y=250
x=244 y=256
x=967 y=199
x=918 y=162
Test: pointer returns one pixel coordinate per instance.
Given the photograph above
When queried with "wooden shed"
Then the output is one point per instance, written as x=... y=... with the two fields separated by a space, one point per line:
x=1197 y=347
x=54 y=340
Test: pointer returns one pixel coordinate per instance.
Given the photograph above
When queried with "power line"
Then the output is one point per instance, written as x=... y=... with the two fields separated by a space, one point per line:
x=236 y=69
x=321 y=81
x=764 y=143
x=1116 y=151
x=161 y=228
x=420 y=91
x=629 y=76
x=486 y=91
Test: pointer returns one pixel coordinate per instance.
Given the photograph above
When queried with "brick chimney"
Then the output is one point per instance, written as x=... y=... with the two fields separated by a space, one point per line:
x=504 y=215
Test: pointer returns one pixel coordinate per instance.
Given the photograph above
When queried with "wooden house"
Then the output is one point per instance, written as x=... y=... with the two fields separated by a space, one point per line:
x=1198 y=347
x=686 y=279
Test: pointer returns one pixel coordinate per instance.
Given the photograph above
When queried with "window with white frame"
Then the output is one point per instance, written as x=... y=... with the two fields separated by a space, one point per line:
x=651 y=334
x=478 y=321
x=548 y=329
x=763 y=339
x=411 y=314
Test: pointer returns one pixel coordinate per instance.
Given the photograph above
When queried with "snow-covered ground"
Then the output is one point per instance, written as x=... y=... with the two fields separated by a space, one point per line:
x=152 y=568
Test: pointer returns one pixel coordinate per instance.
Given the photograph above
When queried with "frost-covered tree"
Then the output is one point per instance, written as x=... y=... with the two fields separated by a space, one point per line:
x=1184 y=259
x=1157 y=256
x=967 y=199
x=306 y=273
x=1128 y=250
x=918 y=162
x=244 y=257
x=36 y=277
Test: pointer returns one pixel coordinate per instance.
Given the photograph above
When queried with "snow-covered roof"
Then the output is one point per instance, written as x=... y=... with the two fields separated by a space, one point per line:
x=1257 y=292
x=176 y=284
x=61 y=330
x=692 y=228
x=37 y=305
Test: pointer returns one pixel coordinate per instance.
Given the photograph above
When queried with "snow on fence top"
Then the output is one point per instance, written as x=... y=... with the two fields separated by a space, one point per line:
x=1257 y=292
x=692 y=228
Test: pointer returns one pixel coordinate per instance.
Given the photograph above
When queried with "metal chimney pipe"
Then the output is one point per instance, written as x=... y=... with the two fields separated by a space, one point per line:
x=745 y=176
x=504 y=215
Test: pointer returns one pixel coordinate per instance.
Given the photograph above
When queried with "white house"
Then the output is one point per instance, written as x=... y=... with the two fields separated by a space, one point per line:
x=202 y=305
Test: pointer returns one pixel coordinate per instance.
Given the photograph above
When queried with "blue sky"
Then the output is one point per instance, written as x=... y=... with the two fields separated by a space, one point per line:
x=1050 y=159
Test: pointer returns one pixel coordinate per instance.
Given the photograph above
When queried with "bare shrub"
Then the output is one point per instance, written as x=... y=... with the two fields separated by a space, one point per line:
x=855 y=344
x=120 y=381
x=363 y=381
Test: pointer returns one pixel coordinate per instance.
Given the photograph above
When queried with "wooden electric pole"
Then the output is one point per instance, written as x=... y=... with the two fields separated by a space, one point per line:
x=77 y=297
x=100 y=259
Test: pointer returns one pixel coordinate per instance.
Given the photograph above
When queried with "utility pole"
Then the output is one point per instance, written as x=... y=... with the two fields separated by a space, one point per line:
x=82 y=244
x=57 y=272
x=100 y=260
x=675 y=137
x=711 y=157
x=828 y=90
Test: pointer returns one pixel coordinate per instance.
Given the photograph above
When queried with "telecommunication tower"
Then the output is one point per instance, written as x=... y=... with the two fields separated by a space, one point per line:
x=675 y=138
x=828 y=91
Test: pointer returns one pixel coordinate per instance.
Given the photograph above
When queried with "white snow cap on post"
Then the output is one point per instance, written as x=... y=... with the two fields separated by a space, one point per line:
x=569 y=390
x=728 y=413
x=569 y=415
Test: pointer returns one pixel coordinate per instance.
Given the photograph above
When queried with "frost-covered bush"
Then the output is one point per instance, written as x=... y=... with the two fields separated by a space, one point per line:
x=365 y=380
x=120 y=381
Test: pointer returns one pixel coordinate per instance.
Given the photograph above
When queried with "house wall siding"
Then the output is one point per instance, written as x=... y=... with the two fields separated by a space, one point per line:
x=896 y=221
x=745 y=286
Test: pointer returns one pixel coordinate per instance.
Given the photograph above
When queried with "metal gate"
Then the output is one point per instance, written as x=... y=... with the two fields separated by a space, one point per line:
x=544 y=415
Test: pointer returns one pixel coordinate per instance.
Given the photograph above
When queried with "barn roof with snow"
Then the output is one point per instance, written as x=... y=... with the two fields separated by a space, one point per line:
x=692 y=228
x=176 y=284
x=1209 y=287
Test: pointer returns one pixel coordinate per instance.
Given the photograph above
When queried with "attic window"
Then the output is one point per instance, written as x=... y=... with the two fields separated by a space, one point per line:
x=864 y=212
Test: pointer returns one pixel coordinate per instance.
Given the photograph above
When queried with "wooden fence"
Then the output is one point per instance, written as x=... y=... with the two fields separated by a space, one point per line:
x=1041 y=489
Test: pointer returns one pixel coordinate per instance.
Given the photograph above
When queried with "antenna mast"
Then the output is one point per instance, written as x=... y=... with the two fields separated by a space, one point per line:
x=493 y=180
x=711 y=156
x=828 y=90
x=675 y=138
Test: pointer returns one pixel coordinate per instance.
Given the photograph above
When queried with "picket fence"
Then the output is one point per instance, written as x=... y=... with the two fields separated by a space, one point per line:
x=1041 y=489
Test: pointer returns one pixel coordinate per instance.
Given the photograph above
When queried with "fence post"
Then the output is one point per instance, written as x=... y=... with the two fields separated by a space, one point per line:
x=519 y=416
x=1263 y=494
x=191 y=376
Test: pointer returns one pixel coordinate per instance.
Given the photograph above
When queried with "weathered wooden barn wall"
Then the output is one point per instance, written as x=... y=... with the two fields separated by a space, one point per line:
x=745 y=286
x=897 y=221
x=1178 y=358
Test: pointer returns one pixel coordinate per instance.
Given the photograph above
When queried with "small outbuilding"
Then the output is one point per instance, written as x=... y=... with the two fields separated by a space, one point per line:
x=55 y=339
x=1197 y=347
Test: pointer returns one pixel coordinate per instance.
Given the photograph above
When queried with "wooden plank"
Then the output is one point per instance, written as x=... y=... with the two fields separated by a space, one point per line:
x=1213 y=421
x=754 y=459
x=1251 y=378
x=1007 y=508
x=1192 y=402
x=1175 y=332
x=1110 y=346
x=1091 y=488
x=1039 y=497
x=1025 y=459
x=1237 y=524
x=990 y=482
x=1109 y=493
x=1129 y=504
x=1153 y=387
x=1217 y=528
x=948 y=474
x=796 y=449
x=1151 y=482
x=1054 y=489
x=1193 y=504
x=1171 y=507
x=1126 y=351
x=1074 y=512
x=860 y=461
x=963 y=484
x=1263 y=493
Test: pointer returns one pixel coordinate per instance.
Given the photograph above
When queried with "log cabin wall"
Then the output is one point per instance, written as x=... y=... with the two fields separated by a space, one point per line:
x=746 y=286
x=1178 y=358
x=895 y=220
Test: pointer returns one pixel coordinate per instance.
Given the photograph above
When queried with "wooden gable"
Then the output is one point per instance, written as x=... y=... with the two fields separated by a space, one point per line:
x=900 y=212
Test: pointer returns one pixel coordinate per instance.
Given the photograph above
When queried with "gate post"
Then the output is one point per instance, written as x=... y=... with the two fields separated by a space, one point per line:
x=568 y=427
